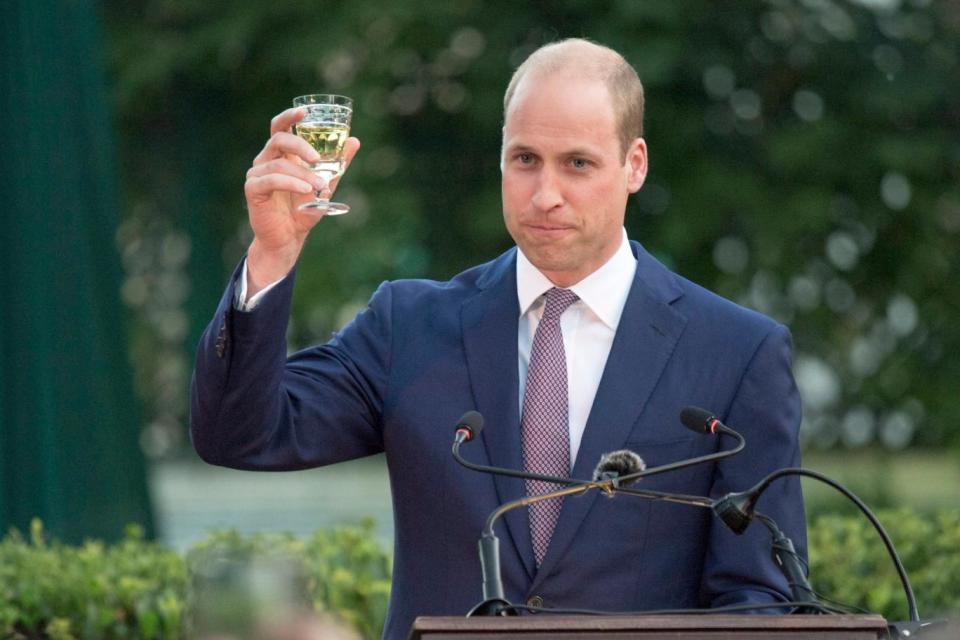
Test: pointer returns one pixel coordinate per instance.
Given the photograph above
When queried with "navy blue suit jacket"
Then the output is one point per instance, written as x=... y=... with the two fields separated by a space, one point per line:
x=398 y=377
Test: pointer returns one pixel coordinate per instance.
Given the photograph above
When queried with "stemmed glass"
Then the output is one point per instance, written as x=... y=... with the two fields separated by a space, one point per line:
x=326 y=126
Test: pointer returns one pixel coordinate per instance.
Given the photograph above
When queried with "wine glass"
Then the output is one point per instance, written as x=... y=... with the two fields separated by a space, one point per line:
x=326 y=126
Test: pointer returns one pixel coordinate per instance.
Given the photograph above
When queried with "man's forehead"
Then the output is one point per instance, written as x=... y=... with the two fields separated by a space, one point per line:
x=561 y=114
x=562 y=85
x=562 y=101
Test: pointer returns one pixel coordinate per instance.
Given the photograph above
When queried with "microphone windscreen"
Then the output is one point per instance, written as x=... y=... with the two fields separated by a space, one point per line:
x=471 y=420
x=619 y=463
x=697 y=419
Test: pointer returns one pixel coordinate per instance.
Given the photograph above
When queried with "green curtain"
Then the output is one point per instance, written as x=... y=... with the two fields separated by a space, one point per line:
x=69 y=424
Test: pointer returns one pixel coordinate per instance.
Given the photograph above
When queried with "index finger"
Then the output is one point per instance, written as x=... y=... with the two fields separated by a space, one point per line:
x=286 y=119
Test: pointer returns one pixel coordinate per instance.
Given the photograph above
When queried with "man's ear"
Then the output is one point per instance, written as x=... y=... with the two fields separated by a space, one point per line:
x=636 y=165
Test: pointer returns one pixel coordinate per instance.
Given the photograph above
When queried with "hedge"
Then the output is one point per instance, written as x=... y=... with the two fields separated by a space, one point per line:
x=849 y=563
x=137 y=589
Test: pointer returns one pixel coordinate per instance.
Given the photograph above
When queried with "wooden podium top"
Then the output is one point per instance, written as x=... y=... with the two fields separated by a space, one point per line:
x=688 y=627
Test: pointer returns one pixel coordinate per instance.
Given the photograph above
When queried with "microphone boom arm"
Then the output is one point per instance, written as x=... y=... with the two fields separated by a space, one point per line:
x=622 y=480
x=742 y=505
x=741 y=443
x=493 y=596
x=497 y=471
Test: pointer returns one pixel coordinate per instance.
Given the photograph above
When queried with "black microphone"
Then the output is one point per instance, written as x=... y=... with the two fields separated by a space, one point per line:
x=494 y=602
x=627 y=466
x=616 y=464
x=703 y=421
x=472 y=422
x=700 y=421
x=618 y=469
x=607 y=478
x=737 y=511
x=468 y=426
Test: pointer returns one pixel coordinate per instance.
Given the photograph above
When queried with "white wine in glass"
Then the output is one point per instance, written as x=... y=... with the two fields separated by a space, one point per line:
x=326 y=126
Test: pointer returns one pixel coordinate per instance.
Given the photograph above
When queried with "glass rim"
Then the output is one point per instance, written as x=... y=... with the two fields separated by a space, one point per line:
x=330 y=98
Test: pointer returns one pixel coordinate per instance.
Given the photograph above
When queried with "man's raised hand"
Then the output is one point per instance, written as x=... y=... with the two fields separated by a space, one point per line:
x=278 y=183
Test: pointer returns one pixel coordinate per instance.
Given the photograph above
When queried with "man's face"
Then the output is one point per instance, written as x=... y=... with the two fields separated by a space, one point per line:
x=565 y=179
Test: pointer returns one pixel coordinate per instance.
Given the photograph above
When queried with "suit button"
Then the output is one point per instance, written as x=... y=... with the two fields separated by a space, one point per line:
x=221 y=343
x=535 y=601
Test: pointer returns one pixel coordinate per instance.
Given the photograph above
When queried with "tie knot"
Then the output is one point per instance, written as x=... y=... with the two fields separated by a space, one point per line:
x=557 y=302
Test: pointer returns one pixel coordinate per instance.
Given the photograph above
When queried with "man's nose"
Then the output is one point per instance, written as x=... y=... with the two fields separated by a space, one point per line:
x=549 y=193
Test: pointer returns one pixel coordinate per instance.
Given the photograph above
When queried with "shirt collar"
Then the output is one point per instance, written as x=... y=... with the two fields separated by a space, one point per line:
x=604 y=291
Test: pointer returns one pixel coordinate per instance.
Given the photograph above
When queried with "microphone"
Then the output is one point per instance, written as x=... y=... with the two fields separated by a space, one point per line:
x=606 y=478
x=494 y=602
x=615 y=471
x=614 y=465
x=737 y=511
x=619 y=468
x=700 y=421
x=468 y=426
x=472 y=422
x=703 y=421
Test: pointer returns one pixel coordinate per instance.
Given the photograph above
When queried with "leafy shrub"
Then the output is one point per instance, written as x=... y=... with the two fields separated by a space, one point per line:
x=849 y=563
x=138 y=589
x=342 y=571
x=133 y=589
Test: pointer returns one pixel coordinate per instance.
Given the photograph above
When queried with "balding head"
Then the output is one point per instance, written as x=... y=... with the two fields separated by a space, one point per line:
x=584 y=59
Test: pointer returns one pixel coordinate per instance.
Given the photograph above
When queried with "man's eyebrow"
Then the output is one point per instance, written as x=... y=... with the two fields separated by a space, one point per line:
x=576 y=151
x=519 y=148
x=581 y=151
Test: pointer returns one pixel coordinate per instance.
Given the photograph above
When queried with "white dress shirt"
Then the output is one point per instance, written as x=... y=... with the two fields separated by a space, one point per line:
x=588 y=325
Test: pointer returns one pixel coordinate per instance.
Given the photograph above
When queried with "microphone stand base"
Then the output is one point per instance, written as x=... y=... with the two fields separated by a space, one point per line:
x=933 y=629
x=492 y=607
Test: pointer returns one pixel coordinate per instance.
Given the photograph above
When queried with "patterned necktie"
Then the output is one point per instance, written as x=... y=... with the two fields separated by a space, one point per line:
x=544 y=423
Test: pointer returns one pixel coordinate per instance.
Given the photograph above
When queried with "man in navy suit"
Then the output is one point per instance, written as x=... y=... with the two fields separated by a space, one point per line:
x=639 y=343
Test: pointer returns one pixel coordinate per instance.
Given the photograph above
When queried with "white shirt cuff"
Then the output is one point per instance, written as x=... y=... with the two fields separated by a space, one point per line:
x=250 y=304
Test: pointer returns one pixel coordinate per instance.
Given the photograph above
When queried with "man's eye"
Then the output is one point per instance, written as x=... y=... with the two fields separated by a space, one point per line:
x=525 y=158
x=579 y=163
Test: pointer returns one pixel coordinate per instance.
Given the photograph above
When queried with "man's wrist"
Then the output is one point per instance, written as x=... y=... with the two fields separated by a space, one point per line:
x=244 y=302
x=266 y=267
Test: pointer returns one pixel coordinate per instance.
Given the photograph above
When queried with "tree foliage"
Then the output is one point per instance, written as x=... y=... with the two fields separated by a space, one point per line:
x=805 y=159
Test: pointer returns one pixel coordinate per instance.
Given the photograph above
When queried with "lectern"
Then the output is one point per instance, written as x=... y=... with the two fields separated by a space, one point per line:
x=689 y=627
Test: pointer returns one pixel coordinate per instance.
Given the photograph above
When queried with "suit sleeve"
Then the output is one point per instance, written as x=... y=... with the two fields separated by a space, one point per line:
x=766 y=409
x=252 y=407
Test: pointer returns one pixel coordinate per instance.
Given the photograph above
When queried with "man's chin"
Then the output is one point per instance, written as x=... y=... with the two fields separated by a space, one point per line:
x=551 y=262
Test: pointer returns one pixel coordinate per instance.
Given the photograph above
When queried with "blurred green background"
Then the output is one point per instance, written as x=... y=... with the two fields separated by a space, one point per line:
x=805 y=159
x=805 y=162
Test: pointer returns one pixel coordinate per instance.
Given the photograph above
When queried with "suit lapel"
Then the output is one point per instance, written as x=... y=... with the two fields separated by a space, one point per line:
x=489 y=323
x=646 y=336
